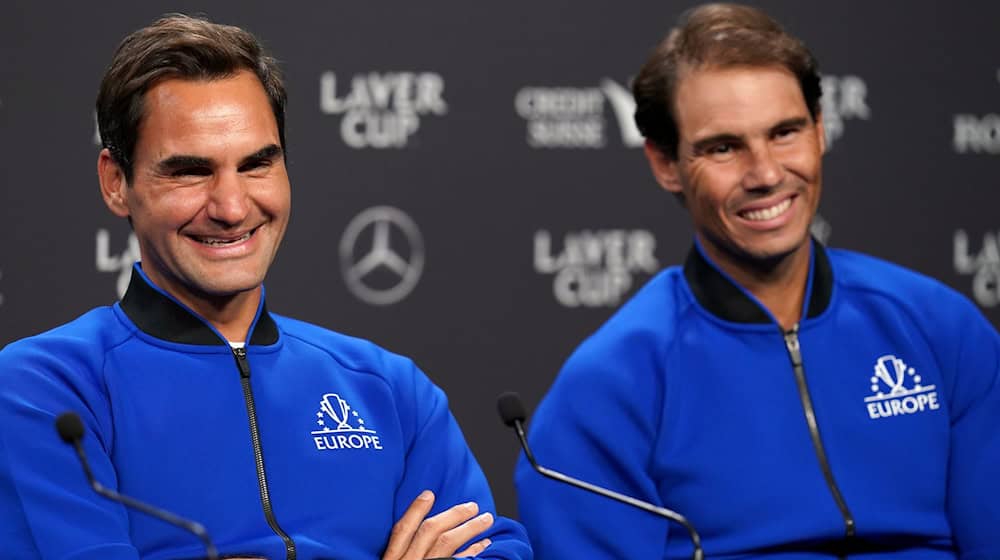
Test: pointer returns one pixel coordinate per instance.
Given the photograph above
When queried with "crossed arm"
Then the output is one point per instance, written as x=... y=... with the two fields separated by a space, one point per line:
x=417 y=536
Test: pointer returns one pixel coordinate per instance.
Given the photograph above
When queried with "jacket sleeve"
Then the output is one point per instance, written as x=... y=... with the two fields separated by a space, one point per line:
x=49 y=510
x=599 y=423
x=974 y=463
x=439 y=459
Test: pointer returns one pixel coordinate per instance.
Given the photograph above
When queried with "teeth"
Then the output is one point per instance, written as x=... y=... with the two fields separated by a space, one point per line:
x=768 y=213
x=216 y=242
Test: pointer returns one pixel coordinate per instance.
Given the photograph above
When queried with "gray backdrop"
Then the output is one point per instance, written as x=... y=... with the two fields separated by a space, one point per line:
x=490 y=146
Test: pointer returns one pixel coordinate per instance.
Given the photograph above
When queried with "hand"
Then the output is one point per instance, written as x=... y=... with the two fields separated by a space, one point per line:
x=417 y=537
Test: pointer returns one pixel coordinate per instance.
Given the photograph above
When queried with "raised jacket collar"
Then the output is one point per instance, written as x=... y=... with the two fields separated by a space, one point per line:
x=721 y=296
x=158 y=314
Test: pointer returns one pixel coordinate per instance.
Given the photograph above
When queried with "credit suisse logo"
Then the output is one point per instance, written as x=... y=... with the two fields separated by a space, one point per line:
x=574 y=117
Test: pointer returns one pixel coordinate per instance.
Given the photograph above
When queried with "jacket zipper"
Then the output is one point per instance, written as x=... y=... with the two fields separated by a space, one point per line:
x=795 y=353
x=265 y=498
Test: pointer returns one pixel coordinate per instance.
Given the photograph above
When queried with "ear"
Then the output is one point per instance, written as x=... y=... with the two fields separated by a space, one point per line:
x=114 y=187
x=664 y=168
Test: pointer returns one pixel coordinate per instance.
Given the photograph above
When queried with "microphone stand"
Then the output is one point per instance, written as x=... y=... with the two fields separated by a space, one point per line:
x=518 y=425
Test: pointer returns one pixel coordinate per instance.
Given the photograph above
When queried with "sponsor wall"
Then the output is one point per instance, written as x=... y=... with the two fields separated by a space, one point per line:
x=468 y=186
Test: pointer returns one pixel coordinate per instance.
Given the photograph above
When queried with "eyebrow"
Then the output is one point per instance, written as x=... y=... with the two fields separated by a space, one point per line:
x=269 y=152
x=794 y=122
x=178 y=162
x=183 y=161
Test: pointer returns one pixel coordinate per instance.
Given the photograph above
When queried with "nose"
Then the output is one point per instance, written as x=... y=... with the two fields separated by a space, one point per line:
x=764 y=170
x=228 y=202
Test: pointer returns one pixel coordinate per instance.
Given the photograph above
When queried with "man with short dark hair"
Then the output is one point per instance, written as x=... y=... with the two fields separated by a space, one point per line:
x=791 y=401
x=284 y=439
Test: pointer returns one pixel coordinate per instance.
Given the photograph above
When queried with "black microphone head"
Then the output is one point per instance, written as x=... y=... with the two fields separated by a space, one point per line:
x=69 y=426
x=511 y=408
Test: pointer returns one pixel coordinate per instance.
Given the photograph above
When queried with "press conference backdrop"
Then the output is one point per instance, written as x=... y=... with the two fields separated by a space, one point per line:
x=468 y=186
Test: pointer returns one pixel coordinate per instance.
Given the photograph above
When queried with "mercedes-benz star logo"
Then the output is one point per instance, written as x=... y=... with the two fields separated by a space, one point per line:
x=377 y=268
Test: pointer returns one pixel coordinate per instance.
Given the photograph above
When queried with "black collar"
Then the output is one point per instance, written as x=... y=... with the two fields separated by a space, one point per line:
x=164 y=318
x=719 y=295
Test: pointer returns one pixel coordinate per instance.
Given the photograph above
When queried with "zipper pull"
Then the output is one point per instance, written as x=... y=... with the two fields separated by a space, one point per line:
x=241 y=361
x=792 y=343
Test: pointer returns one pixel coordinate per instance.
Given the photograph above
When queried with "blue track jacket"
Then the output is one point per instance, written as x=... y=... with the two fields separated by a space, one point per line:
x=690 y=398
x=347 y=436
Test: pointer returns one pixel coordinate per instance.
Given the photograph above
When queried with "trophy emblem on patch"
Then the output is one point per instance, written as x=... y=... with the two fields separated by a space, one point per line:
x=891 y=371
x=336 y=408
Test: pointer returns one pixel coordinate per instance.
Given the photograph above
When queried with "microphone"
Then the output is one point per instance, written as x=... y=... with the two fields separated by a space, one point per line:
x=513 y=414
x=70 y=429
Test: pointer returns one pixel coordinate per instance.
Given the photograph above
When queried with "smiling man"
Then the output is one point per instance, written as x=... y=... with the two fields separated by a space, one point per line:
x=284 y=439
x=791 y=401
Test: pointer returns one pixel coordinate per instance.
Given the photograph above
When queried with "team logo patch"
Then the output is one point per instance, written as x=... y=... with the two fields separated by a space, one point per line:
x=342 y=427
x=897 y=389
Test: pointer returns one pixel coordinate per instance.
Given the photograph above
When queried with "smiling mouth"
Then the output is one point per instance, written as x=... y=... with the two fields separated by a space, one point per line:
x=223 y=242
x=767 y=213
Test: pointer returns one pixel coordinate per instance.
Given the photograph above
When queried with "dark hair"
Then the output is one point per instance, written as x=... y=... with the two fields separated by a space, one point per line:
x=176 y=46
x=715 y=36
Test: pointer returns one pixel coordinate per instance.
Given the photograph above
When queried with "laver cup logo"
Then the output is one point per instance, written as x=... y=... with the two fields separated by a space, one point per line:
x=341 y=426
x=595 y=268
x=96 y=139
x=983 y=265
x=897 y=389
x=382 y=110
x=119 y=264
x=844 y=98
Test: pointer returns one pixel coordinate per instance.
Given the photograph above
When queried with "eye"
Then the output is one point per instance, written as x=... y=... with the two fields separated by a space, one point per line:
x=255 y=165
x=192 y=172
x=786 y=132
x=721 y=151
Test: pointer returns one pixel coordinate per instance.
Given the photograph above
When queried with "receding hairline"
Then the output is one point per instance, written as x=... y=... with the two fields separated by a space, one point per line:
x=150 y=92
x=686 y=69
